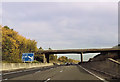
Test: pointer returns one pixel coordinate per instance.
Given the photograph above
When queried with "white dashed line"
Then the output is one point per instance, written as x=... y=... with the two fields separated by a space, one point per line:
x=6 y=79
x=47 y=80
x=94 y=74
x=61 y=71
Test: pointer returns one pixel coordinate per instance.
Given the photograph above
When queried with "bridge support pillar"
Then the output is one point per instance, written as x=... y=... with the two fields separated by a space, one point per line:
x=44 y=58
x=81 y=57
x=47 y=57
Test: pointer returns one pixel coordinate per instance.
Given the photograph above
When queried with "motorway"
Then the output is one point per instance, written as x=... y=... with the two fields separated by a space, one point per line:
x=70 y=72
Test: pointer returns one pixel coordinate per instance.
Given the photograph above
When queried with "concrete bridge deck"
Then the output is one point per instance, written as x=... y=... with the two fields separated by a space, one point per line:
x=79 y=51
x=76 y=51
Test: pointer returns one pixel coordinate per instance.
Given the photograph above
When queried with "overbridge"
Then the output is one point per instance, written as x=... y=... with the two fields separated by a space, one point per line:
x=76 y=51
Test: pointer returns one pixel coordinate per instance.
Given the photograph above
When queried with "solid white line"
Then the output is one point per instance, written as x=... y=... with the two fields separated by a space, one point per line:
x=12 y=72
x=94 y=74
x=26 y=70
x=9 y=73
x=29 y=70
x=19 y=71
x=37 y=71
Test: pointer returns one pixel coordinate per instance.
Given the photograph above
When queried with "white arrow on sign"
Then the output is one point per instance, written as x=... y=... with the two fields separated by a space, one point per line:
x=30 y=57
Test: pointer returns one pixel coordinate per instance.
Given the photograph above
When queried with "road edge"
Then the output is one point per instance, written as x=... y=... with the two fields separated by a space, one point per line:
x=93 y=74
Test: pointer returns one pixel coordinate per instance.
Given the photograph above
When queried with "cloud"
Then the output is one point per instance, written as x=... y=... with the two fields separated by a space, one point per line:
x=64 y=25
x=0 y=13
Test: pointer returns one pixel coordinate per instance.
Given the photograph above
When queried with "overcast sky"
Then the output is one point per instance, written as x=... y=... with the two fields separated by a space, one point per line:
x=64 y=25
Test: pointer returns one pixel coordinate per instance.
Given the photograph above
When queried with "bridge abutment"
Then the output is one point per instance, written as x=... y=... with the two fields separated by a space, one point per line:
x=47 y=57
x=44 y=58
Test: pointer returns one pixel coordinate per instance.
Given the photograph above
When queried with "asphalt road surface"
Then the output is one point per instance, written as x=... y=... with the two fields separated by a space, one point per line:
x=71 y=72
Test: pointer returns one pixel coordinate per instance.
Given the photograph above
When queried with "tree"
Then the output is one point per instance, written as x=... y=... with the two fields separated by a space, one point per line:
x=40 y=48
x=6 y=27
x=70 y=60
x=13 y=45
x=63 y=59
x=49 y=48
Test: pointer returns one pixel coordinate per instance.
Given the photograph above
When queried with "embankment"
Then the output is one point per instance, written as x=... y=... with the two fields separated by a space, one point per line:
x=109 y=66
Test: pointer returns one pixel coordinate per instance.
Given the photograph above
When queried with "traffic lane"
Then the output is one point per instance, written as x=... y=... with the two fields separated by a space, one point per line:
x=72 y=72
x=17 y=73
x=40 y=75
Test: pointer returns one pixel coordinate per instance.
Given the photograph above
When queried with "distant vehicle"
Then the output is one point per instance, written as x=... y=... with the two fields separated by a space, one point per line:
x=71 y=63
x=67 y=63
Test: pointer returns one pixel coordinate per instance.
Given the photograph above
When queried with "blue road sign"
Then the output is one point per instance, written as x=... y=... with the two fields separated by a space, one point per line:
x=28 y=57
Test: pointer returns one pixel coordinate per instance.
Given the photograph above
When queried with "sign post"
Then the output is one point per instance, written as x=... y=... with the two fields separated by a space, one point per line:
x=28 y=57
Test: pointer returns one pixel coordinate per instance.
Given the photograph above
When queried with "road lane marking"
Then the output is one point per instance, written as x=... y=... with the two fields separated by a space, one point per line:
x=12 y=72
x=47 y=80
x=37 y=71
x=29 y=70
x=61 y=71
x=94 y=74
x=19 y=71
x=9 y=73
x=51 y=68
x=26 y=70
x=6 y=79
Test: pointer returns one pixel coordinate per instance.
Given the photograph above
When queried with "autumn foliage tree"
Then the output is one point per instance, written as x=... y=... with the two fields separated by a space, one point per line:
x=52 y=57
x=13 y=45
x=65 y=59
